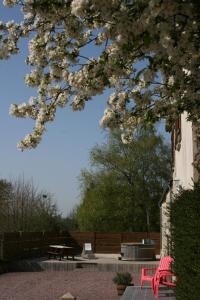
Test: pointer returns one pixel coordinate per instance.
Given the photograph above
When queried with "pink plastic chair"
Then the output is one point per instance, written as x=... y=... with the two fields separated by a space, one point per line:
x=162 y=277
x=159 y=275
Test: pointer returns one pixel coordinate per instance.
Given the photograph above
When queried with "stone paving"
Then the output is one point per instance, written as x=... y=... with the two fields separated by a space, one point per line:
x=91 y=280
x=85 y=285
x=135 y=293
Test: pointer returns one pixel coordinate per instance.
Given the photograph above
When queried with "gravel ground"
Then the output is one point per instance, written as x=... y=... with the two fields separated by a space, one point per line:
x=85 y=285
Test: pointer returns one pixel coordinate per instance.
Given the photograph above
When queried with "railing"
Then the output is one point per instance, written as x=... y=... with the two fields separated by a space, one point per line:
x=18 y=245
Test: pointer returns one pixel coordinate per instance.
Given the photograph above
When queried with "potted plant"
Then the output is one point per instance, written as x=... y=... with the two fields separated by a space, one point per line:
x=122 y=280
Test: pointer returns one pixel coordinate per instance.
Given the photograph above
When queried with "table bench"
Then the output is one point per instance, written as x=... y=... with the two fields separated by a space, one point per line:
x=60 y=251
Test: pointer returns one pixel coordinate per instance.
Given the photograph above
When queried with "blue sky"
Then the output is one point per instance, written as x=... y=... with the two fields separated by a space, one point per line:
x=56 y=163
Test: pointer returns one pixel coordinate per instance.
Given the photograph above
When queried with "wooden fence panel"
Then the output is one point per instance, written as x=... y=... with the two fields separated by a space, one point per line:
x=156 y=237
x=79 y=238
x=108 y=242
x=17 y=245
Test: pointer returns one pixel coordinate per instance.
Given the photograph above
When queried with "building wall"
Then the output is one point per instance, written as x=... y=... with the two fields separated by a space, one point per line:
x=183 y=152
x=183 y=158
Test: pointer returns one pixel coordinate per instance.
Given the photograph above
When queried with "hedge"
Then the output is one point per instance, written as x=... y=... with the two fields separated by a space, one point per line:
x=185 y=230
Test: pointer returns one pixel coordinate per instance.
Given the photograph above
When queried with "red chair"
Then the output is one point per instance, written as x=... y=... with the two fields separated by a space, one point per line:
x=160 y=274
x=147 y=277
x=162 y=277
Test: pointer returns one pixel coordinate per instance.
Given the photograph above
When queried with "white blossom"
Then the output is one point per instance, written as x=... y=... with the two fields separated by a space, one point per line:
x=149 y=59
x=171 y=80
x=10 y=3
x=187 y=72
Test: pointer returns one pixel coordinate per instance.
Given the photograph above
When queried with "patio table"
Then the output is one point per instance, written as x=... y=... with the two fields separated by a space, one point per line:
x=60 y=251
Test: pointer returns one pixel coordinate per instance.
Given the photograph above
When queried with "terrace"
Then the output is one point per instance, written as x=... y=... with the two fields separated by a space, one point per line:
x=85 y=279
x=42 y=278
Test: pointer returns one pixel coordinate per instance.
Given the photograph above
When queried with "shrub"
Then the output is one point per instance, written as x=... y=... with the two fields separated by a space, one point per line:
x=185 y=222
x=122 y=278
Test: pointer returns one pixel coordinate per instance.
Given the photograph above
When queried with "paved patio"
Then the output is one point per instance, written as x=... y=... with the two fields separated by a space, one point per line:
x=85 y=285
x=135 y=293
x=94 y=277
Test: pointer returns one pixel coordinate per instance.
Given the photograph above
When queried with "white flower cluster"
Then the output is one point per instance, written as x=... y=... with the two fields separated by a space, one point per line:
x=10 y=3
x=163 y=34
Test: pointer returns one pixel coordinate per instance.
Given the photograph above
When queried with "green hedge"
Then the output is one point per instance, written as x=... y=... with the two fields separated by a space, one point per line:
x=185 y=221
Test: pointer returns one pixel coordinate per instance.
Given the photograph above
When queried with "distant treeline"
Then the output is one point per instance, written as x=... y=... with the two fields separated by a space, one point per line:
x=24 y=208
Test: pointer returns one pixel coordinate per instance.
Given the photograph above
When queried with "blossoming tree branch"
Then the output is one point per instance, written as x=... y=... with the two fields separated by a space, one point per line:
x=162 y=34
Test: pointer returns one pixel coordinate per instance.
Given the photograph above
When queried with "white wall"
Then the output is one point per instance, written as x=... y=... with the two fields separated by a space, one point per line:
x=183 y=168
x=182 y=175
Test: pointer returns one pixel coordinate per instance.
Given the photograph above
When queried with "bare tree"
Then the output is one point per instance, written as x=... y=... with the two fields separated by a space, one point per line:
x=24 y=208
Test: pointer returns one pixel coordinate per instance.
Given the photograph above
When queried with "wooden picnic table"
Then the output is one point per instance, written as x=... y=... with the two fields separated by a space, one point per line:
x=60 y=251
